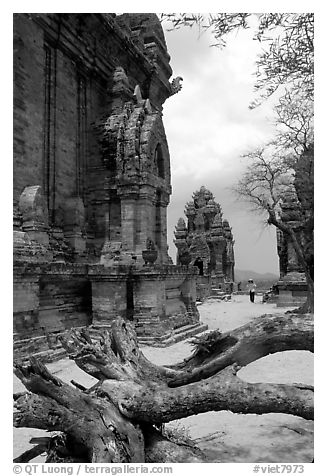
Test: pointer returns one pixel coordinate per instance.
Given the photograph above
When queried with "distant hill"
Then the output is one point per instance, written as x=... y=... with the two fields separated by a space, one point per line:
x=244 y=275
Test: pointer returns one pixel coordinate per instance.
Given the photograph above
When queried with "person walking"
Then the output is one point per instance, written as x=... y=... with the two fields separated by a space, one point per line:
x=251 y=288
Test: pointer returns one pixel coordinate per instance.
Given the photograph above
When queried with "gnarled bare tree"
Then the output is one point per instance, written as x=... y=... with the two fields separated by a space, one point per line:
x=282 y=172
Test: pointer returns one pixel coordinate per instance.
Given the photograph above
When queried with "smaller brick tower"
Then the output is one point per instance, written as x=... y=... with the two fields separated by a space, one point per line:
x=206 y=242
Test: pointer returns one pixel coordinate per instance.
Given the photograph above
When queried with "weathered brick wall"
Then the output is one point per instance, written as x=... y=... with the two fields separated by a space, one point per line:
x=158 y=299
x=54 y=141
x=28 y=95
x=64 y=66
x=66 y=127
x=109 y=300
x=26 y=305
x=64 y=303
x=89 y=139
x=46 y=301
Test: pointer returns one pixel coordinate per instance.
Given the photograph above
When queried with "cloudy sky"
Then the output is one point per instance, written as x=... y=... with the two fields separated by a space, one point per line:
x=209 y=126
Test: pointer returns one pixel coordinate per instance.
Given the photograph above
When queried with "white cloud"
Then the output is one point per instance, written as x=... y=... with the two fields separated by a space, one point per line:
x=209 y=126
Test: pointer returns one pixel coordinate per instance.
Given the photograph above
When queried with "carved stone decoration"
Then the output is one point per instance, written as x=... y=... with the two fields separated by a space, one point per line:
x=185 y=257
x=290 y=214
x=217 y=230
x=183 y=253
x=292 y=283
x=199 y=222
x=199 y=248
x=150 y=254
x=120 y=77
x=147 y=106
x=62 y=252
x=138 y=95
x=176 y=85
x=121 y=87
x=26 y=250
x=111 y=253
x=129 y=138
x=34 y=213
x=181 y=229
x=208 y=238
x=135 y=153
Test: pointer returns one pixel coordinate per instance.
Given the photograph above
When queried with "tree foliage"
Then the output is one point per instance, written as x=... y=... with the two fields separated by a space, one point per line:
x=273 y=181
x=272 y=168
x=287 y=39
x=294 y=120
x=266 y=180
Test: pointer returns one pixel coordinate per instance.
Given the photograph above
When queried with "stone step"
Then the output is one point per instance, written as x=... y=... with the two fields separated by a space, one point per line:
x=175 y=336
x=185 y=328
x=146 y=320
x=146 y=323
x=57 y=353
x=47 y=356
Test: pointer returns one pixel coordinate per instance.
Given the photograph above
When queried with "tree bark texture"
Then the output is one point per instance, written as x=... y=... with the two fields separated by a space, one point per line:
x=113 y=421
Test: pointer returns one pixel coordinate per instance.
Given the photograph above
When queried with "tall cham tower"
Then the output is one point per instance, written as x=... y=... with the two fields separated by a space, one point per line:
x=207 y=243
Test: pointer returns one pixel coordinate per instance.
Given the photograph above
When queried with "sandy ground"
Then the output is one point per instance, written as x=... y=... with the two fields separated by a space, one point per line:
x=226 y=437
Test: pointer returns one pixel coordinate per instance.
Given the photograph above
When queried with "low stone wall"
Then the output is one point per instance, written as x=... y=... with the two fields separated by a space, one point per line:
x=51 y=298
x=203 y=287
x=291 y=293
x=48 y=299
x=291 y=298
x=158 y=299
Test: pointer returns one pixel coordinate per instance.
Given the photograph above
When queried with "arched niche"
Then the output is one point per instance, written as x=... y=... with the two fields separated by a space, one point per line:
x=199 y=264
x=159 y=161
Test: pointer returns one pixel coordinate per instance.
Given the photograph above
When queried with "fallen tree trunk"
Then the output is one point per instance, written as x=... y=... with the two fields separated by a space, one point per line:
x=224 y=391
x=94 y=429
x=95 y=426
x=113 y=420
x=262 y=336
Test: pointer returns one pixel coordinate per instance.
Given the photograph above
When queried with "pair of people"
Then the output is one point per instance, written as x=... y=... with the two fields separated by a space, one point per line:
x=251 y=288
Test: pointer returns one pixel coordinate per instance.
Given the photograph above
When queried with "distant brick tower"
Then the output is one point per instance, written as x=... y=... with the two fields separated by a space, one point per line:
x=292 y=284
x=206 y=242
